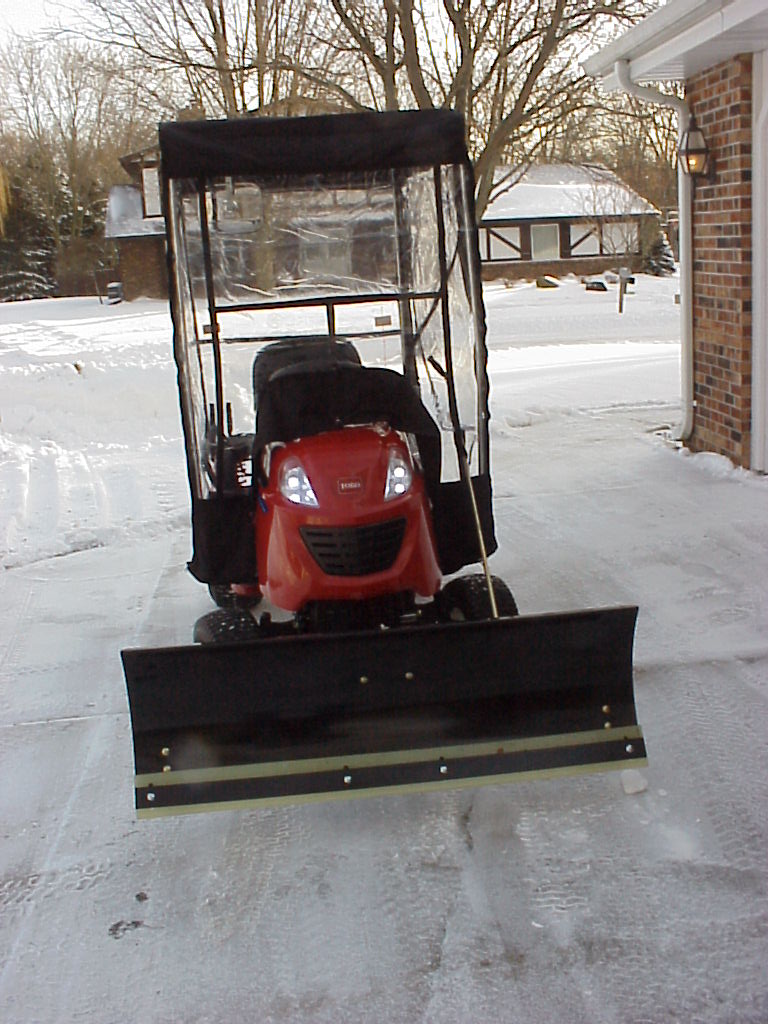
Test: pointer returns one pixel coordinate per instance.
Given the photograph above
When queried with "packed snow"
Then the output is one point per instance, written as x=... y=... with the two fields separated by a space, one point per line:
x=624 y=898
x=565 y=190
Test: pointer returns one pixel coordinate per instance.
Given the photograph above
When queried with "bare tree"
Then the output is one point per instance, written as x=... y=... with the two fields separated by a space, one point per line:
x=70 y=110
x=202 y=40
x=638 y=140
x=224 y=51
x=5 y=198
x=511 y=67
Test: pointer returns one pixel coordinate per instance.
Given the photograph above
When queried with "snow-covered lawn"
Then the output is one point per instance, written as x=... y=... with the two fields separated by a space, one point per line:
x=571 y=901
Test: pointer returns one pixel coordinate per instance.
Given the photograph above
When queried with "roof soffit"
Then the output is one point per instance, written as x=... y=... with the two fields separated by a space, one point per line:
x=683 y=38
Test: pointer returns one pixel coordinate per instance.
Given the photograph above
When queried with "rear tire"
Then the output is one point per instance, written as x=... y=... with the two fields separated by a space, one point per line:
x=224 y=597
x=466 y=599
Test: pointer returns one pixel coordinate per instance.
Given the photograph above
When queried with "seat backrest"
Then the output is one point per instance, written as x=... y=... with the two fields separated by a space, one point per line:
x=315 y=348
x=314 y=397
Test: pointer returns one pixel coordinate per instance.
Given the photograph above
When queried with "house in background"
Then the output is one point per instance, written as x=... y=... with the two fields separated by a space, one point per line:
x=555 y=219
x=134 y=223
x=564 y=218
x=719 y=50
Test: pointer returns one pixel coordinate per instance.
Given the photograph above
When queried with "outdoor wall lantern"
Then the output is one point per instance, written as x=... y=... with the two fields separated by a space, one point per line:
x=693 y=153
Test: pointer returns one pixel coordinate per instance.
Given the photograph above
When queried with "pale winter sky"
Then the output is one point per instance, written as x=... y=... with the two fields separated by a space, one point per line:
x=27 y=17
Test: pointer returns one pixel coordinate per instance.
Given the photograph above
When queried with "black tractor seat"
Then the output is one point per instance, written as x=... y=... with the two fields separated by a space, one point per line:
x=315 y=348
x=314 y=397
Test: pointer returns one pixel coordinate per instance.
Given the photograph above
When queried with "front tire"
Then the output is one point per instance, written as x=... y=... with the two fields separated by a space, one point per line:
x=227 y=626
x=466 y=599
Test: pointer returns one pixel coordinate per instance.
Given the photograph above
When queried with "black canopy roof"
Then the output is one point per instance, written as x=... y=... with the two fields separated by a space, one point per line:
x=333 y=143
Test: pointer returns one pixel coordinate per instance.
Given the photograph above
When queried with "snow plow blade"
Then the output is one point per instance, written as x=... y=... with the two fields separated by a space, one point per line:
x=293 y=719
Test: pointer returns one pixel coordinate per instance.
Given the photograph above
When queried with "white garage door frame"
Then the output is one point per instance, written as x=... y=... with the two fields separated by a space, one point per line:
x=759 y=446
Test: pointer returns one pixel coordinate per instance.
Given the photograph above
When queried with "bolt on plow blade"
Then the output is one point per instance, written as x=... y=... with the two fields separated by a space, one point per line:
x=292 y=719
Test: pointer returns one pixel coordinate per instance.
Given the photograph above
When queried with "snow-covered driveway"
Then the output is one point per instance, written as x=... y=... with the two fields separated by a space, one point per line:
x=571 y=901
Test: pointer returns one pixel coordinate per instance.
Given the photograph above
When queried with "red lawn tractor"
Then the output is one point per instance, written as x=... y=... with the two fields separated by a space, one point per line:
x=330 y=342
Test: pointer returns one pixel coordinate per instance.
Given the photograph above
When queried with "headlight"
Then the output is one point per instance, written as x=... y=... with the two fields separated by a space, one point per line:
x=399 y=476
x=295 y=486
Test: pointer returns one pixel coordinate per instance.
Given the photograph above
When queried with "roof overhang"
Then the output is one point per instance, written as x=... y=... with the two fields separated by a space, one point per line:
x=681 y=39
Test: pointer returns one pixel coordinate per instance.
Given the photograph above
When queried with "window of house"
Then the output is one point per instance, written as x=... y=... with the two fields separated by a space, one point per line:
x=620 y=237
x=505 y=243
x=545 y=242
x=150 y=181
x=585 y=239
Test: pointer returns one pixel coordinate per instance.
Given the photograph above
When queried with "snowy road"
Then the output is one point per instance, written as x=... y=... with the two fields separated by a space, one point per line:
x=572 y=901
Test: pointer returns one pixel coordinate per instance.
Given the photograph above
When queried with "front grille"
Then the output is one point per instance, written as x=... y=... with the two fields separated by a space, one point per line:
x=355 y=550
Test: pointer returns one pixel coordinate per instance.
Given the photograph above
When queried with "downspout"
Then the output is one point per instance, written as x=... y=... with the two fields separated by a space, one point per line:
x=684 y=197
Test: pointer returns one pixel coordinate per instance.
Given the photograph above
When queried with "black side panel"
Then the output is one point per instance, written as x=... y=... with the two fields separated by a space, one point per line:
x=454 y=523
x=328 y=144
x=224 y=543
x=310 y=716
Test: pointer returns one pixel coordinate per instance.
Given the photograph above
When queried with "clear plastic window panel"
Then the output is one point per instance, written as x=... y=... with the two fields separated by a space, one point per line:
x=194 y=353
x=299 y=237
x=463 y=305
x=355 y=257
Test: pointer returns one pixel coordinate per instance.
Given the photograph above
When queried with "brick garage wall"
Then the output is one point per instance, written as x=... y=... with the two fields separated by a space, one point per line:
x=528 y=270
x=142 y=267
x=721 y=101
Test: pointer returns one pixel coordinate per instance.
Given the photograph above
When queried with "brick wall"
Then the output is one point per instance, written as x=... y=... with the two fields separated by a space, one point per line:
x=528 y=270
x=721 y=101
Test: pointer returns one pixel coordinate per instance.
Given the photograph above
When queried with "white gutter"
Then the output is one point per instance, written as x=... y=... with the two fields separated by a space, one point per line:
x=684 y=196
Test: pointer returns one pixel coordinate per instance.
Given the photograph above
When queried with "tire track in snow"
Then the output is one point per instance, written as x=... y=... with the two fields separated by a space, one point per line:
x=565 y=934
x=252 y=845
x=63 y=502
x=62 y=505
x=347 y=897
x=522 y=898
x=21 y=595
x=592 y=919
x=18 y=891
x=731 y=727
x=654 y=928
x=16 y=611
x=93 y=749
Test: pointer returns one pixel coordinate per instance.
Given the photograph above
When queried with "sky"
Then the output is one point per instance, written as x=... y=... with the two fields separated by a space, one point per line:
x=27 y=17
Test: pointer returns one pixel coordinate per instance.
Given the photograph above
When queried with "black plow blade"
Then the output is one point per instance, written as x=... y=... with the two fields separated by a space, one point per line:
x=291 y=719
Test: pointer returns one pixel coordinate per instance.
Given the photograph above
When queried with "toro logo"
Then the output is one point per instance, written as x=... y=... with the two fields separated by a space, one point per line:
x=349 y=484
